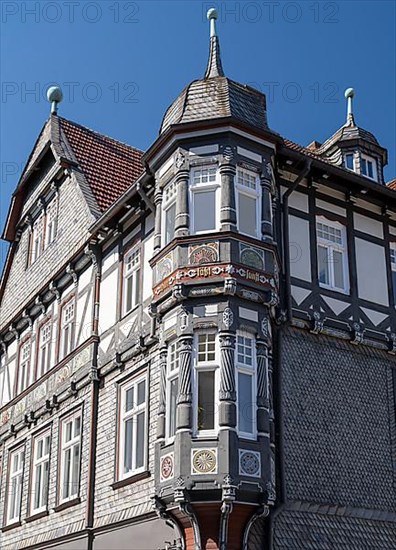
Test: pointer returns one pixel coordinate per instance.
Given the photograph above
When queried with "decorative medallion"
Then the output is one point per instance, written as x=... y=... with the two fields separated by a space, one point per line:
x=249 y=463
x=167 y=467
x=204 y=461
x=228 y=317
x=203 y=254
x=252 y=257
x=179 y=160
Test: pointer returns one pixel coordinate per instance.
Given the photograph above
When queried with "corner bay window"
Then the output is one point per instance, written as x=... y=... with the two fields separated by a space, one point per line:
x=204 y=199
x=15 y=481
x=169 y=212
x=248 y=204
x=70 y=457
x=40 y=473
x=332 y=256
x=131 y=279
x=206 y=368
x=133 y=435
x=172 y=388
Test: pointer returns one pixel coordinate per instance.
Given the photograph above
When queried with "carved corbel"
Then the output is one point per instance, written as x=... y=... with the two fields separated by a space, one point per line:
x=181 y=498
x=91 y=252
x=117 y=361
x=228 y=497
x=53 y=288
x=26 y=316
x=178 y=292
x=12 y=329
x=357 y=334
x=317 y=323
x=70 y=271
x=230 y=286
x=38 y=303
x=392 y=343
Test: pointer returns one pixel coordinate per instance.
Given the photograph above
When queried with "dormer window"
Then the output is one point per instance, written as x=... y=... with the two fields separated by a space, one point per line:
x=368 y=167
x=349 y=161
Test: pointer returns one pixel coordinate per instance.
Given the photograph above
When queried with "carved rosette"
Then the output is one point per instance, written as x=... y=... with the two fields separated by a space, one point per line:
x=227 y=367
x=185 y=361
x=262 y=374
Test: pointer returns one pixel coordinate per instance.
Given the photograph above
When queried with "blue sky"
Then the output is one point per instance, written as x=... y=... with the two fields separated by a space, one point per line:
x=121 y=64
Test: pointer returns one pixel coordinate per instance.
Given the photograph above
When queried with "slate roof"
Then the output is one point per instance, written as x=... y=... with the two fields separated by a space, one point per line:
x=109 y=166
x=392 y=184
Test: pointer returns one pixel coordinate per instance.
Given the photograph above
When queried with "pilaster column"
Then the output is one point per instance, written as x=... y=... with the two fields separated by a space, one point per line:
x=184 y=398
x=227 y=395
x=228 y=206
x=162 y=399
x=262 y=386
x=158 y=219
x=266 y=207
x=182 y=218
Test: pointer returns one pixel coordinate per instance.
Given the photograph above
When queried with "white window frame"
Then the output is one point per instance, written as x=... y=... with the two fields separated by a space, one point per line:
x=201 y=187
x=353 y=169
x=172 y=373
x=393 y=269
x=24 y=365
x=40 y=478
x=67 y=328
x=37 y=238
x=253 y=193
x=131 y=273
x=168 y=201
x=69 y=446
x=202 y=366
x=242 y=367
x=373 y=161
x=15 y=477
x=44 y=349
x=51 y=221
x=331 y=248
x=124 y=416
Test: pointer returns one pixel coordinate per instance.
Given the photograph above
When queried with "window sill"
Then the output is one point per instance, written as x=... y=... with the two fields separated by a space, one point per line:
x=332 y=289
x=67 y=504
x=39 y=515
x=131 y=479
x=11 y=526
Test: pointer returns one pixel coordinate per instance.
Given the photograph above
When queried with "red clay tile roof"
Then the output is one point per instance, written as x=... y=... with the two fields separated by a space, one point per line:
x=109 y=166
x=392 y=184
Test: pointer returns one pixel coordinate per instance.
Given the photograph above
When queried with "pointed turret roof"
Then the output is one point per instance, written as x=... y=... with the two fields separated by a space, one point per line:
x=216 y=96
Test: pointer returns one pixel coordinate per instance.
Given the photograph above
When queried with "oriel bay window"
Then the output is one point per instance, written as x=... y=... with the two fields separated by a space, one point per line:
x=332 y=255
x=131 y=288
x=246 y=384
x=206 y=383
x=205 y=199
x=132 y=442
x=40 y=473
x=16 y=461
x=70 y=459
x=248 y=202
x=172 y=388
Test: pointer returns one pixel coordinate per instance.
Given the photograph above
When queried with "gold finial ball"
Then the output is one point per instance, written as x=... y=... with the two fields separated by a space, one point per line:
x=54 y=93
x=349 y=92
x=212 y=14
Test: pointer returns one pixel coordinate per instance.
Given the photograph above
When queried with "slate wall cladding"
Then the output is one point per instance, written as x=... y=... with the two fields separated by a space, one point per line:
x=337 y=422
x=300 y=531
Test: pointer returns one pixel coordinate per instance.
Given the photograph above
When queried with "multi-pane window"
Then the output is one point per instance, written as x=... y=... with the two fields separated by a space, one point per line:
x=133 y=427
x=332 y=257
x=172 y=389
x=37 y=239
x=51 y=221
x=131 y=279
x=246 y=368
x=204 y=198
x=24 y=366
x=206 y=368
x=248 y=203
x=393 y=267
x=67 y=325
x=40 y=473
x=169 y=212
x=70 y=457
x=349 y=161
x=44 y=354
x=15 y=480
x=368 y=167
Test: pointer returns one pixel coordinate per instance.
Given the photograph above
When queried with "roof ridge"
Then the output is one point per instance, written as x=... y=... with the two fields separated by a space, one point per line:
x=95 y=132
